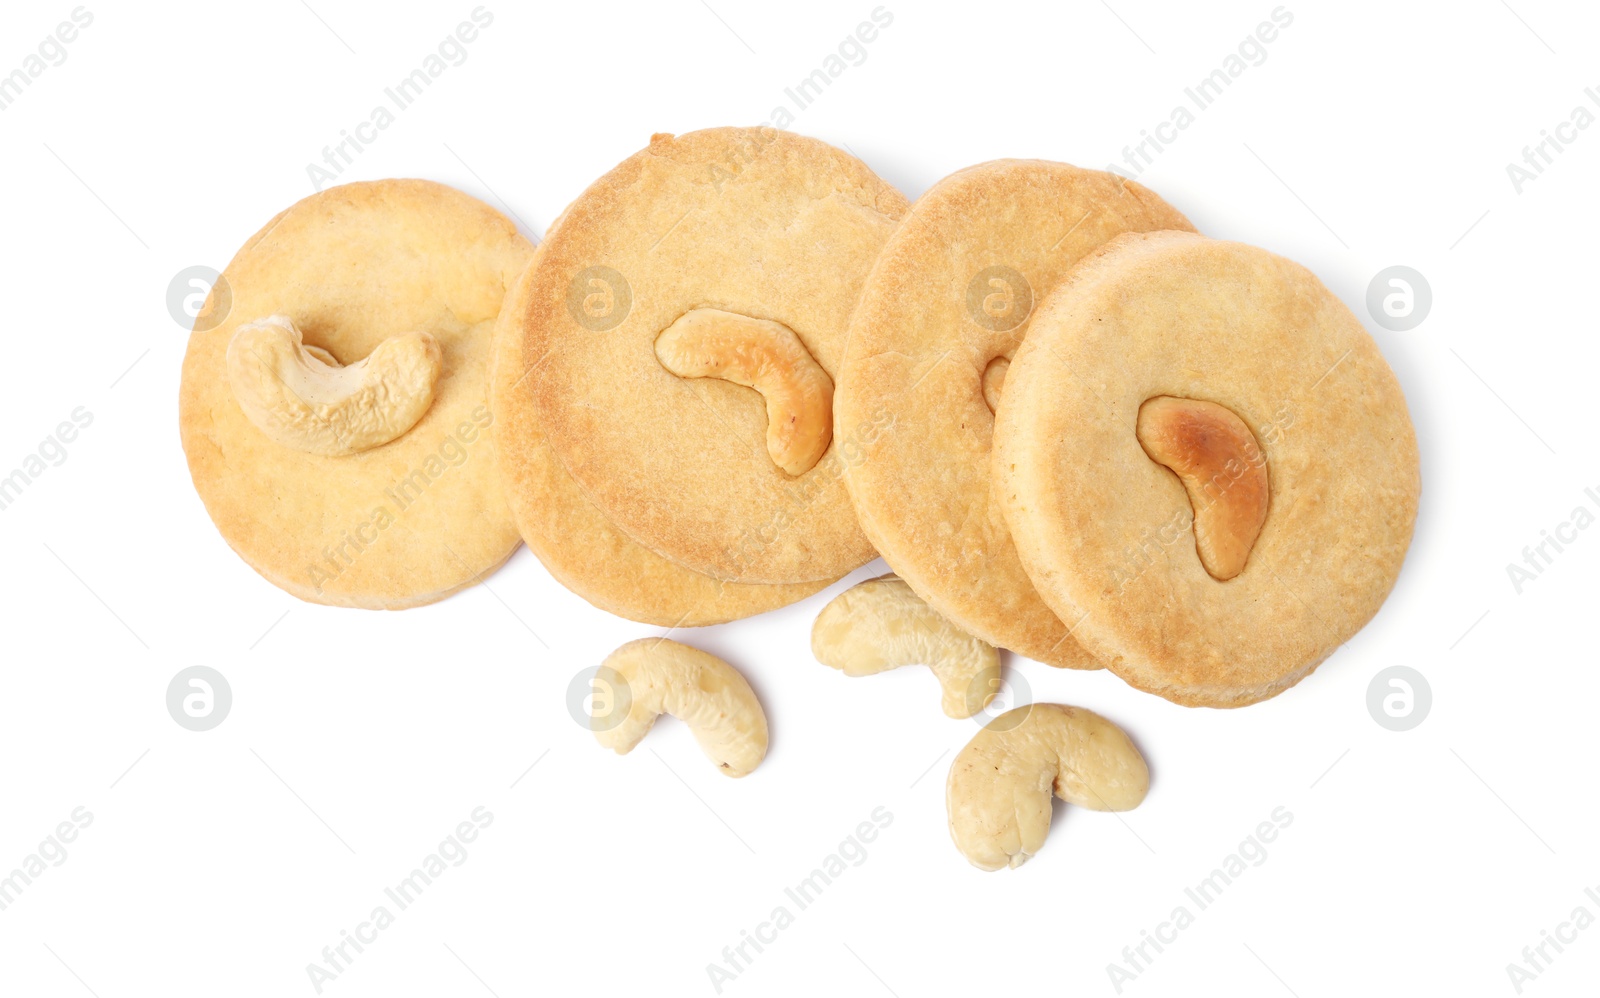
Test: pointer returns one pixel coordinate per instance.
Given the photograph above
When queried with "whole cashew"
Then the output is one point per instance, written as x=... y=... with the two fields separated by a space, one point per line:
x=998 y=795
x=301 y=398
x=658 y=677
x=881 y=625
x=1223 y=471
x=766 y=356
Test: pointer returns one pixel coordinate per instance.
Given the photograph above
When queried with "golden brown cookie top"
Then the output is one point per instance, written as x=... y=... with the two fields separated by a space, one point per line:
x=576 y=543
x=1115 y=533
x=393 y=512
x=772 y=227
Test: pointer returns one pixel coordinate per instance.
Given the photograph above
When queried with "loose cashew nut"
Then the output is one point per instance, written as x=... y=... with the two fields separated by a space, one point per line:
x=881 y=625
x=766 y=356
x=998 y=796
x=994 y=380
x=1223 y=470
x=300 y=397
x=703 y=691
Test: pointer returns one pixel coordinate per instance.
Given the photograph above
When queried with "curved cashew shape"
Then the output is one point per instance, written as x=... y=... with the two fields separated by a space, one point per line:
x=300 y=397
x=881 y=625
x=998 y=795
x=1223 y=470
x=703 y=691
x=766 y=356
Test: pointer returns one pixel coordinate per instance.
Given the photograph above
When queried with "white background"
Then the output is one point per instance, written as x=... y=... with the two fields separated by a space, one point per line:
x=1376 y=133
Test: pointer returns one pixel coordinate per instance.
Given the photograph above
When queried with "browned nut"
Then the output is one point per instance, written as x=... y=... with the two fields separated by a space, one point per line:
x=1222 y=468
x=766 y=356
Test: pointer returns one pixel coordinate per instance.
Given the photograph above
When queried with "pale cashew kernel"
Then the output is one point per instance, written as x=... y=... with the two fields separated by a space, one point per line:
x=703 y=691
x=321 y=354
x=881 y=625
x=766 y=356
x=1223 y=470
x=998 y=795
x=301 y=397
x=994 y=380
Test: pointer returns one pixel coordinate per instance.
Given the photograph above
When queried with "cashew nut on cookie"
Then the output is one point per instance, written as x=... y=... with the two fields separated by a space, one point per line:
x=766 y=356
x=1223 y=471
x=881 y=625
x=998 y=795
x=994 y=381
x=301 y=397
x=655 y=676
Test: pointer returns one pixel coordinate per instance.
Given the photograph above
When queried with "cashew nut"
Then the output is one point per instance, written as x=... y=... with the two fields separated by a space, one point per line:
x=301 y=397
x=998 y=795
x=994 y=379
x=766 y=356
x=658 y=677
x=1222 y=468
x=881 y=625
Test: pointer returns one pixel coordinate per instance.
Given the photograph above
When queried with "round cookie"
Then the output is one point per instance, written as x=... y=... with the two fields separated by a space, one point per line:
x=1172 y=391
x=405 y=522
x=769 y=237
x=577 y=544
x=949 y=299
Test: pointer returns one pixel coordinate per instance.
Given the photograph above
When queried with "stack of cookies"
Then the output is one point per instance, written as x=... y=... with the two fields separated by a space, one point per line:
x=741 y=366
x=1118 y=443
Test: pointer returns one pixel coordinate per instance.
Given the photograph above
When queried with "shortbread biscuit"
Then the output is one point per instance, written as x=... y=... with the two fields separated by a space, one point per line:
x=947 y=303
x=408 y=521
x=581 y=548
x=1213 y=359
x=751 y=245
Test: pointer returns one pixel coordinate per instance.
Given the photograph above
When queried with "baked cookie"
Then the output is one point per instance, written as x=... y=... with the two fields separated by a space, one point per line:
x=336 y=421
x=1203 y=455
x=574 y=540
x=944 y=309
x=685 y=321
